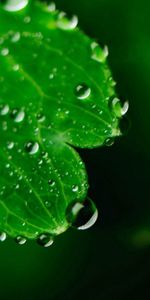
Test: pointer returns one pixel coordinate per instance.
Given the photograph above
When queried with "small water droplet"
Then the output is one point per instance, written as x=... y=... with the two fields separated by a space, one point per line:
x=18 y=115
x=27 y=19
x=17 y=186
x=32 y=147
x=3 y=236
x=99 y=54
x=20 y=240
x=75 y=188
x=15 y=5
x=45 y=240
x=82 y=91
x=4 y=109
x=51 y=7
x=4 y=51
x=116 y=106
x=106 y=51
x=10 y=145
x=109 y=142
x=82 y=215
x=51 y=182
x=40 y=117
x=16 y=67
x=65 y=23
x=44 y=154
x=16 y=37
x=125 y=108
x=47 y=204
x=51 y=76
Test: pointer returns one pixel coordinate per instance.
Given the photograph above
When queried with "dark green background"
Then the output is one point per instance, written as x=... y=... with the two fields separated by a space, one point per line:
x=111 y=261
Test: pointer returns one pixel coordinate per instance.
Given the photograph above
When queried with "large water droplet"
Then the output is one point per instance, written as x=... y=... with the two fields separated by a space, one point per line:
x=118 y=108
x=2 y=236
x=32 y=147
x=65 y=23
x=20 y=240
x=45 y=240
x=82 y=91
x=15 y=5
x=82 y=215
x=18 y=115
x=99 y=54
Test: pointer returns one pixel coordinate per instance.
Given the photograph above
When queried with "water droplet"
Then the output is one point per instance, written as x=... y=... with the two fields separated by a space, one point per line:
x=65 y=23
x=40 y=117
x=18 y=115
x=16 y=67
x=75 y=188
x=82 y=215
x=3 y=236
x=4 y=109
x=44 y=154
x=10 y=145
x=20 y=240
x=4 y=51
x=17 y=186
x=51 y=182
x=15 y=5
x=40 y=162
x=125 y=108
x=109 y=142
x=32 y=147
x=45 y=240
x=82 y=91
x=27 y=19
x=116 y=106
x=51 y=7
x=106 y=51
x=99 y=54
x=16 y=37
x=47 y=204
x=51 y=76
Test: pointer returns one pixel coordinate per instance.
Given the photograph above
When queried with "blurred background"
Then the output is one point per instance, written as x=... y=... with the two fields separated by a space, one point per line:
x=111 y=261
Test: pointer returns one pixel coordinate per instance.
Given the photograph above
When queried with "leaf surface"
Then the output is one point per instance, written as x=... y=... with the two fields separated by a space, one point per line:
x=55 y=94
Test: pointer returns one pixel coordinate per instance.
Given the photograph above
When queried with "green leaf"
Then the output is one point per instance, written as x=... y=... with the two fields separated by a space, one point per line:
x=56 y=93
